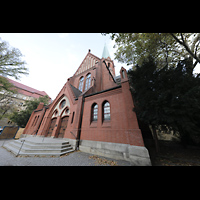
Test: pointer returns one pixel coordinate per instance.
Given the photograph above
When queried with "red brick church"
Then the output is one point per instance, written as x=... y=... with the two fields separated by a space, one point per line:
x=94 y=112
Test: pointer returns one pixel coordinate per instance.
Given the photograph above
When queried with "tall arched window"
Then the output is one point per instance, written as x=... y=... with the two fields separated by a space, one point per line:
x=106 y=111
x=88 y=81
x=123 y=74
x=94 y=114
x=80 y=87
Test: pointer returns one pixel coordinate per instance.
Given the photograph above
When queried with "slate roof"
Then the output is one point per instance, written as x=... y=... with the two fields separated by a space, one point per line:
x=118 y=79
x=27 y=88
x=76 y=91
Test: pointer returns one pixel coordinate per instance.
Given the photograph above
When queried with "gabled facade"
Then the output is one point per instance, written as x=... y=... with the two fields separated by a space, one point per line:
x=94 y=112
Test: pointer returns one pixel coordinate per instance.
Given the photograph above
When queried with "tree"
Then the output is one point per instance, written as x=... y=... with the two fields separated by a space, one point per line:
x=167 y=97
x=22 y=117
x=166 y=48
x=11 y=63
x=6 y=103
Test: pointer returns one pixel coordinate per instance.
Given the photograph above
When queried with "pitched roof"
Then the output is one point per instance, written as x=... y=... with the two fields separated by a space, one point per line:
x=76 y=91
x=27 y=88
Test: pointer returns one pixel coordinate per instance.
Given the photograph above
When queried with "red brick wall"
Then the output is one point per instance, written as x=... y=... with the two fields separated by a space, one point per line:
x=123 y=126
x=35 y=120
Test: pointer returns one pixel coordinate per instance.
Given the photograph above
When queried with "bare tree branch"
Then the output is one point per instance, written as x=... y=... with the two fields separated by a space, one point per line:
x=186 y=47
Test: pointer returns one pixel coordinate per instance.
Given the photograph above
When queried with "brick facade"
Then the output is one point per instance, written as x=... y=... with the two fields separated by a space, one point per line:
x=76 y=107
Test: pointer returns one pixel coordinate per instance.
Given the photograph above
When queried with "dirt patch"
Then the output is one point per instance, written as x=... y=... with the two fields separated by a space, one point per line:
x=175 y=155
x=103 y=161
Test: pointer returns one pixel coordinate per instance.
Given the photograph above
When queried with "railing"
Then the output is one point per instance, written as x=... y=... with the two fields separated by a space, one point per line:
x=73 y=135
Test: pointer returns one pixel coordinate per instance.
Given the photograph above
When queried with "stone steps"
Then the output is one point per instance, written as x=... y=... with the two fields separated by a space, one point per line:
x=38 y=146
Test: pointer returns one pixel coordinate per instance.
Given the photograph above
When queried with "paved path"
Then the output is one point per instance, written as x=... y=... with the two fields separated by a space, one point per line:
x=72 y=159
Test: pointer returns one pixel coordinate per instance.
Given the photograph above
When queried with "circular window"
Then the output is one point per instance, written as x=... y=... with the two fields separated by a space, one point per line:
x=62 y=104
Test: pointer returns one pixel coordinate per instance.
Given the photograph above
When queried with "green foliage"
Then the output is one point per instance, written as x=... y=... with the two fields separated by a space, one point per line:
x=167 y=97
x=166 y=48
x=22 y=117
x=6 y=92
x=5 y=85
x=11 y=63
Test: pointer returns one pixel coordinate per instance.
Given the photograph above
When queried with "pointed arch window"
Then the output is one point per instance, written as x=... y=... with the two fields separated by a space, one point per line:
x=123 y=74
x=94 y=112
x=88 y=81
x=106 y=111
x=80 y=87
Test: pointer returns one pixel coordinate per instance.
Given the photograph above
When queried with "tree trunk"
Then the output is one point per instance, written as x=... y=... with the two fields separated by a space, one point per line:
x=155 y=138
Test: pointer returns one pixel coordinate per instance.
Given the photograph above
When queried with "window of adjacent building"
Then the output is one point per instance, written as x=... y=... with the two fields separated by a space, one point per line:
x=94 y=112
x=80 y=87
x=106 y=110
x=88 y=81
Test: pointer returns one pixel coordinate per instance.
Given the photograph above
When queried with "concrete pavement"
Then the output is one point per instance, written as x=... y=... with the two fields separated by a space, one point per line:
x=73 y=159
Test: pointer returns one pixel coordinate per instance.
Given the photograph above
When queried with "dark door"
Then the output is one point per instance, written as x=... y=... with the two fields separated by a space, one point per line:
x=63 y=126
x=53 y=122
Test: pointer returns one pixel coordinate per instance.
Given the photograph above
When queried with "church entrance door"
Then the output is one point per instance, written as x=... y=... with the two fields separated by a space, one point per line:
x=63 y=126
x=53 y=122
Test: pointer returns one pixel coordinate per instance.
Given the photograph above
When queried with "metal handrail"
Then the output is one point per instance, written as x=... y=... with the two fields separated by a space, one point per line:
x=20 y=147
x=73 y=135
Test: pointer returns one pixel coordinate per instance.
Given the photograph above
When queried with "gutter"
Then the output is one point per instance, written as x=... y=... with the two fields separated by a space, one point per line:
x=80 y=125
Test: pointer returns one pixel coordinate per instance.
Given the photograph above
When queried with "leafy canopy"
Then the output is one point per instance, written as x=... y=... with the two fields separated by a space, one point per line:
x=11 y=63
x=22 y=117
x=167 y=97
x=166 y=48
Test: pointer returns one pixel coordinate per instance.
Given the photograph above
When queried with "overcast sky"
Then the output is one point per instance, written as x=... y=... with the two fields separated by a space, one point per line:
x=54 y=57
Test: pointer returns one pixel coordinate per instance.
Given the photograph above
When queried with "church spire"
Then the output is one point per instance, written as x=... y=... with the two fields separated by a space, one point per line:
x=105 y=53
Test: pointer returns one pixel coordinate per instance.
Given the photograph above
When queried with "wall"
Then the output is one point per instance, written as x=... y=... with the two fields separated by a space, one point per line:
x=120 y=129
x=35 y=120
x=65 y=93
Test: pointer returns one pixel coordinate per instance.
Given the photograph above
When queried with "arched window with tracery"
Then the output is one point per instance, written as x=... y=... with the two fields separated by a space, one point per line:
x=80 y=87
x=106 y=111
x=94 y=112
x=88 y=81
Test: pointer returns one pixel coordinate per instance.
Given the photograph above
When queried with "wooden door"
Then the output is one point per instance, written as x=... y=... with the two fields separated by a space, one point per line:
x=63 y=126
x=53 y=122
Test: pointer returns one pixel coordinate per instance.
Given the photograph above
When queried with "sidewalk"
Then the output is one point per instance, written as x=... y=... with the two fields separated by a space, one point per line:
x=73 y=159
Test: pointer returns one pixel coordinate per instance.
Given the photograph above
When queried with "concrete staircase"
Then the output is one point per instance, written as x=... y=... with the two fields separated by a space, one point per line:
x=39 y=146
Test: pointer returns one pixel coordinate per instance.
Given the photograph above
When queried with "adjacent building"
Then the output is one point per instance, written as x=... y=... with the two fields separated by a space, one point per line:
x=18 y=99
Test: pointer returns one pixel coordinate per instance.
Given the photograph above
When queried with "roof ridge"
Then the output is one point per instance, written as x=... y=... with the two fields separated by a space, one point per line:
x=25 y=87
